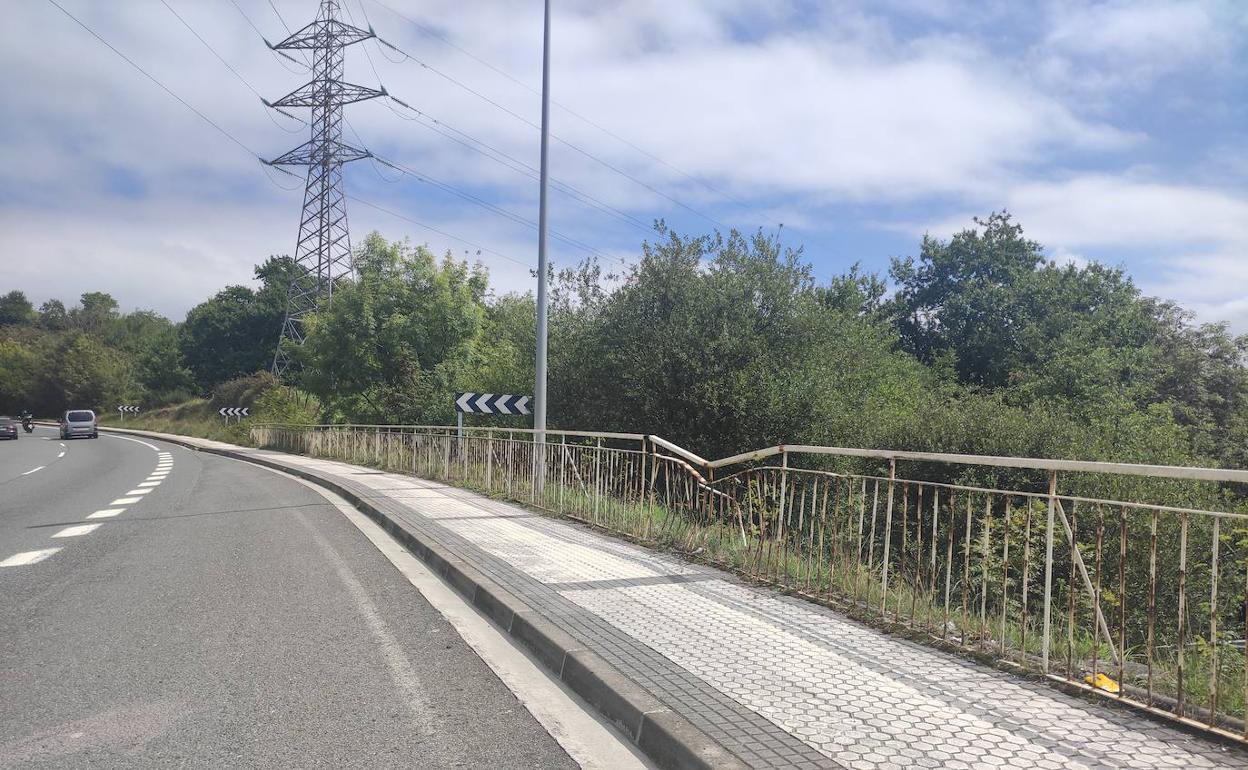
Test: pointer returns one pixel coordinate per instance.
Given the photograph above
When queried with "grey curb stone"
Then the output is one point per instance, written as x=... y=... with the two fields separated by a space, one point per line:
x=663 y=735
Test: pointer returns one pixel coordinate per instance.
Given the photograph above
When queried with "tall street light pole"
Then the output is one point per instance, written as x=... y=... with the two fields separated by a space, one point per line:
x=539 y=388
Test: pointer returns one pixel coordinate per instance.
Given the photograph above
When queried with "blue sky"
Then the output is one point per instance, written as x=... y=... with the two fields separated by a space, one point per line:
x=1113 y=131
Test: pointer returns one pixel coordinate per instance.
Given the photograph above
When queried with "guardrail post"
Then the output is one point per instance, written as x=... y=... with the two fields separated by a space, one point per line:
x=1048 y=572
x=888 y=536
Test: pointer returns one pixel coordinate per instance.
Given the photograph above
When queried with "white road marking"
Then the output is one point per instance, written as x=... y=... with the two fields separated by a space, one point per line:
x=76 y=530
x=138 y=492
x=32 y=470
x=106 y=513
x=152 y=447
x=125 y=500
x=62 y=443
x=28 y=557
x=148 y=484
x=62 y=454
x=591 y=743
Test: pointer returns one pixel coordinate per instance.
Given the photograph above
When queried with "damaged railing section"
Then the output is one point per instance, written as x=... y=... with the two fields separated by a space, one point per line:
x=1129 y=581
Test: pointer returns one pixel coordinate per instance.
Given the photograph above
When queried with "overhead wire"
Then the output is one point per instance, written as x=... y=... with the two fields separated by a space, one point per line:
x=152 y=78
x=235 y=140
x=575 y=148
x=519 y=166
x=276 y=54
x=430 y=32
x=236 y=73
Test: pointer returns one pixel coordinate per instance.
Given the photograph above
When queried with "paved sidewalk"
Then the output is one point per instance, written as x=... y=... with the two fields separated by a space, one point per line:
x=779 y=682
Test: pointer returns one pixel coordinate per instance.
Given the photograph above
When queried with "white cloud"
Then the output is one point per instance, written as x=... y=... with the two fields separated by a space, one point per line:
x=795 y=109
x=1192 y=242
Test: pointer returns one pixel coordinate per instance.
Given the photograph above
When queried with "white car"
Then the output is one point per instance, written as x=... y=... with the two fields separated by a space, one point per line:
x=79 y=423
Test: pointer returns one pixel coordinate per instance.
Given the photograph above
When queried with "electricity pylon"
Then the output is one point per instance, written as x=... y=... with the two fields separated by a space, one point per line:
x=323 y=252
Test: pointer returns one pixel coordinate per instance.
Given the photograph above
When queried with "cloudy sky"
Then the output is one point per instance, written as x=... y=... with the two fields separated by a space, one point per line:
x=1114 y=131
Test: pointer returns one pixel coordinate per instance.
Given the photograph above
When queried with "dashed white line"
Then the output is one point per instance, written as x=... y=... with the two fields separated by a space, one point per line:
x=106 y=513
x=32 y=470
x=62 y=454
x=28 y=557
x=76 y=530
x=149 y=484
x=125 y=500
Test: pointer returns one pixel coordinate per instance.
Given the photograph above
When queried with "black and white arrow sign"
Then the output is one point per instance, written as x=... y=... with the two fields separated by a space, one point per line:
x=492 y=403
x=127 y=409
x=233 y=411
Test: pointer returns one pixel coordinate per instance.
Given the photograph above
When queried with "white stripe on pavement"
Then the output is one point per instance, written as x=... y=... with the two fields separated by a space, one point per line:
x=590 y=742
x=79 y=529
x=32 y=470
x=62 y=454
x=149 y=484
x=106 y=513
x=28 y=557
x=137 y=492
x=125 y=500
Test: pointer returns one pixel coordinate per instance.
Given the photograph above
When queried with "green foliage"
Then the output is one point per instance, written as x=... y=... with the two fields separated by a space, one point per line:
x=16 y=310
x=720 y=342
x=395 y=344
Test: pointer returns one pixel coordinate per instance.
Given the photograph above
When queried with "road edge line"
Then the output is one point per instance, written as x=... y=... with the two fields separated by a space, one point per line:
x=666 y=737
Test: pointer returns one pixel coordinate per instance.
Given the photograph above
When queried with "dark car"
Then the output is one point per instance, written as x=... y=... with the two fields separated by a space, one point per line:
x=79 y=422
x=8 y=428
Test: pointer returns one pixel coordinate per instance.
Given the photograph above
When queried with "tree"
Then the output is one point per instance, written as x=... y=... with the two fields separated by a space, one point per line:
x=16 y=310
x=95 y=313
x=398 y=341
x=52 y=316
x=231 y=335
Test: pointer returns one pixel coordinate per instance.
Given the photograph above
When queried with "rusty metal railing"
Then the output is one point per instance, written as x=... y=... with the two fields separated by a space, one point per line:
x=1128 y=581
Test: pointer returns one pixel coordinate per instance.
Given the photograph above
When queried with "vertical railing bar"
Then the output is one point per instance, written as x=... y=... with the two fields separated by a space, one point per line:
x=918 y=556
x=944 y=631
x=966 y=574
x=888 y=537
x=931 y=574
x=1182 y=624
x=1072 y=533
x=1005 y=571
x=901 y=553
x=1048 y=574
x=1213 y=623
x=1096 y=598
x=1122 y=600
x=984 y=559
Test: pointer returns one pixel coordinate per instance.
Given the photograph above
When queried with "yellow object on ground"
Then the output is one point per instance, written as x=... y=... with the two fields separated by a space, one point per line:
x=1102 y=682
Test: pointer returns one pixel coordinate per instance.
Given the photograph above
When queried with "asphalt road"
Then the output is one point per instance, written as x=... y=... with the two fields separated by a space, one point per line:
x=228 y=617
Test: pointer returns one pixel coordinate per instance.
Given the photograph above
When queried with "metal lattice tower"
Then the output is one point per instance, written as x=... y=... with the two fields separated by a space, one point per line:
x=323 y=252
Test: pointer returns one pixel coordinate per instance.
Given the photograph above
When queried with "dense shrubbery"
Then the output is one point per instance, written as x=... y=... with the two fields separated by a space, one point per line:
x=720 y=342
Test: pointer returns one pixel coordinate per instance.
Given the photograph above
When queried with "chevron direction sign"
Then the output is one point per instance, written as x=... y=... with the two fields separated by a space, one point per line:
x=491 y=403
x=233 y=411
x=128 y=409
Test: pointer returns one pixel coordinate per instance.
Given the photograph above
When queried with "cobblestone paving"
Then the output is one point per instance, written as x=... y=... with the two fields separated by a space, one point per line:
x=781 y=682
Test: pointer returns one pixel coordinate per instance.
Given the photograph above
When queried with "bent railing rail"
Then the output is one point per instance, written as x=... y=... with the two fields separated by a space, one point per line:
x=1125 y=580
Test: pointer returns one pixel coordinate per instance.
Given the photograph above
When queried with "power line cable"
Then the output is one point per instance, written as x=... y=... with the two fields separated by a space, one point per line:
x=481 y=202
x=237 y=74
x=566 y=143
x=430 y=32
x=493 y=153
x=152 y=78
x=247 y=149
x=431 y=228
x=277 y=54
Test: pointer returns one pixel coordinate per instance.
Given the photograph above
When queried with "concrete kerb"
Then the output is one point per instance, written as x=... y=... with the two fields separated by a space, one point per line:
x=663 y=735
